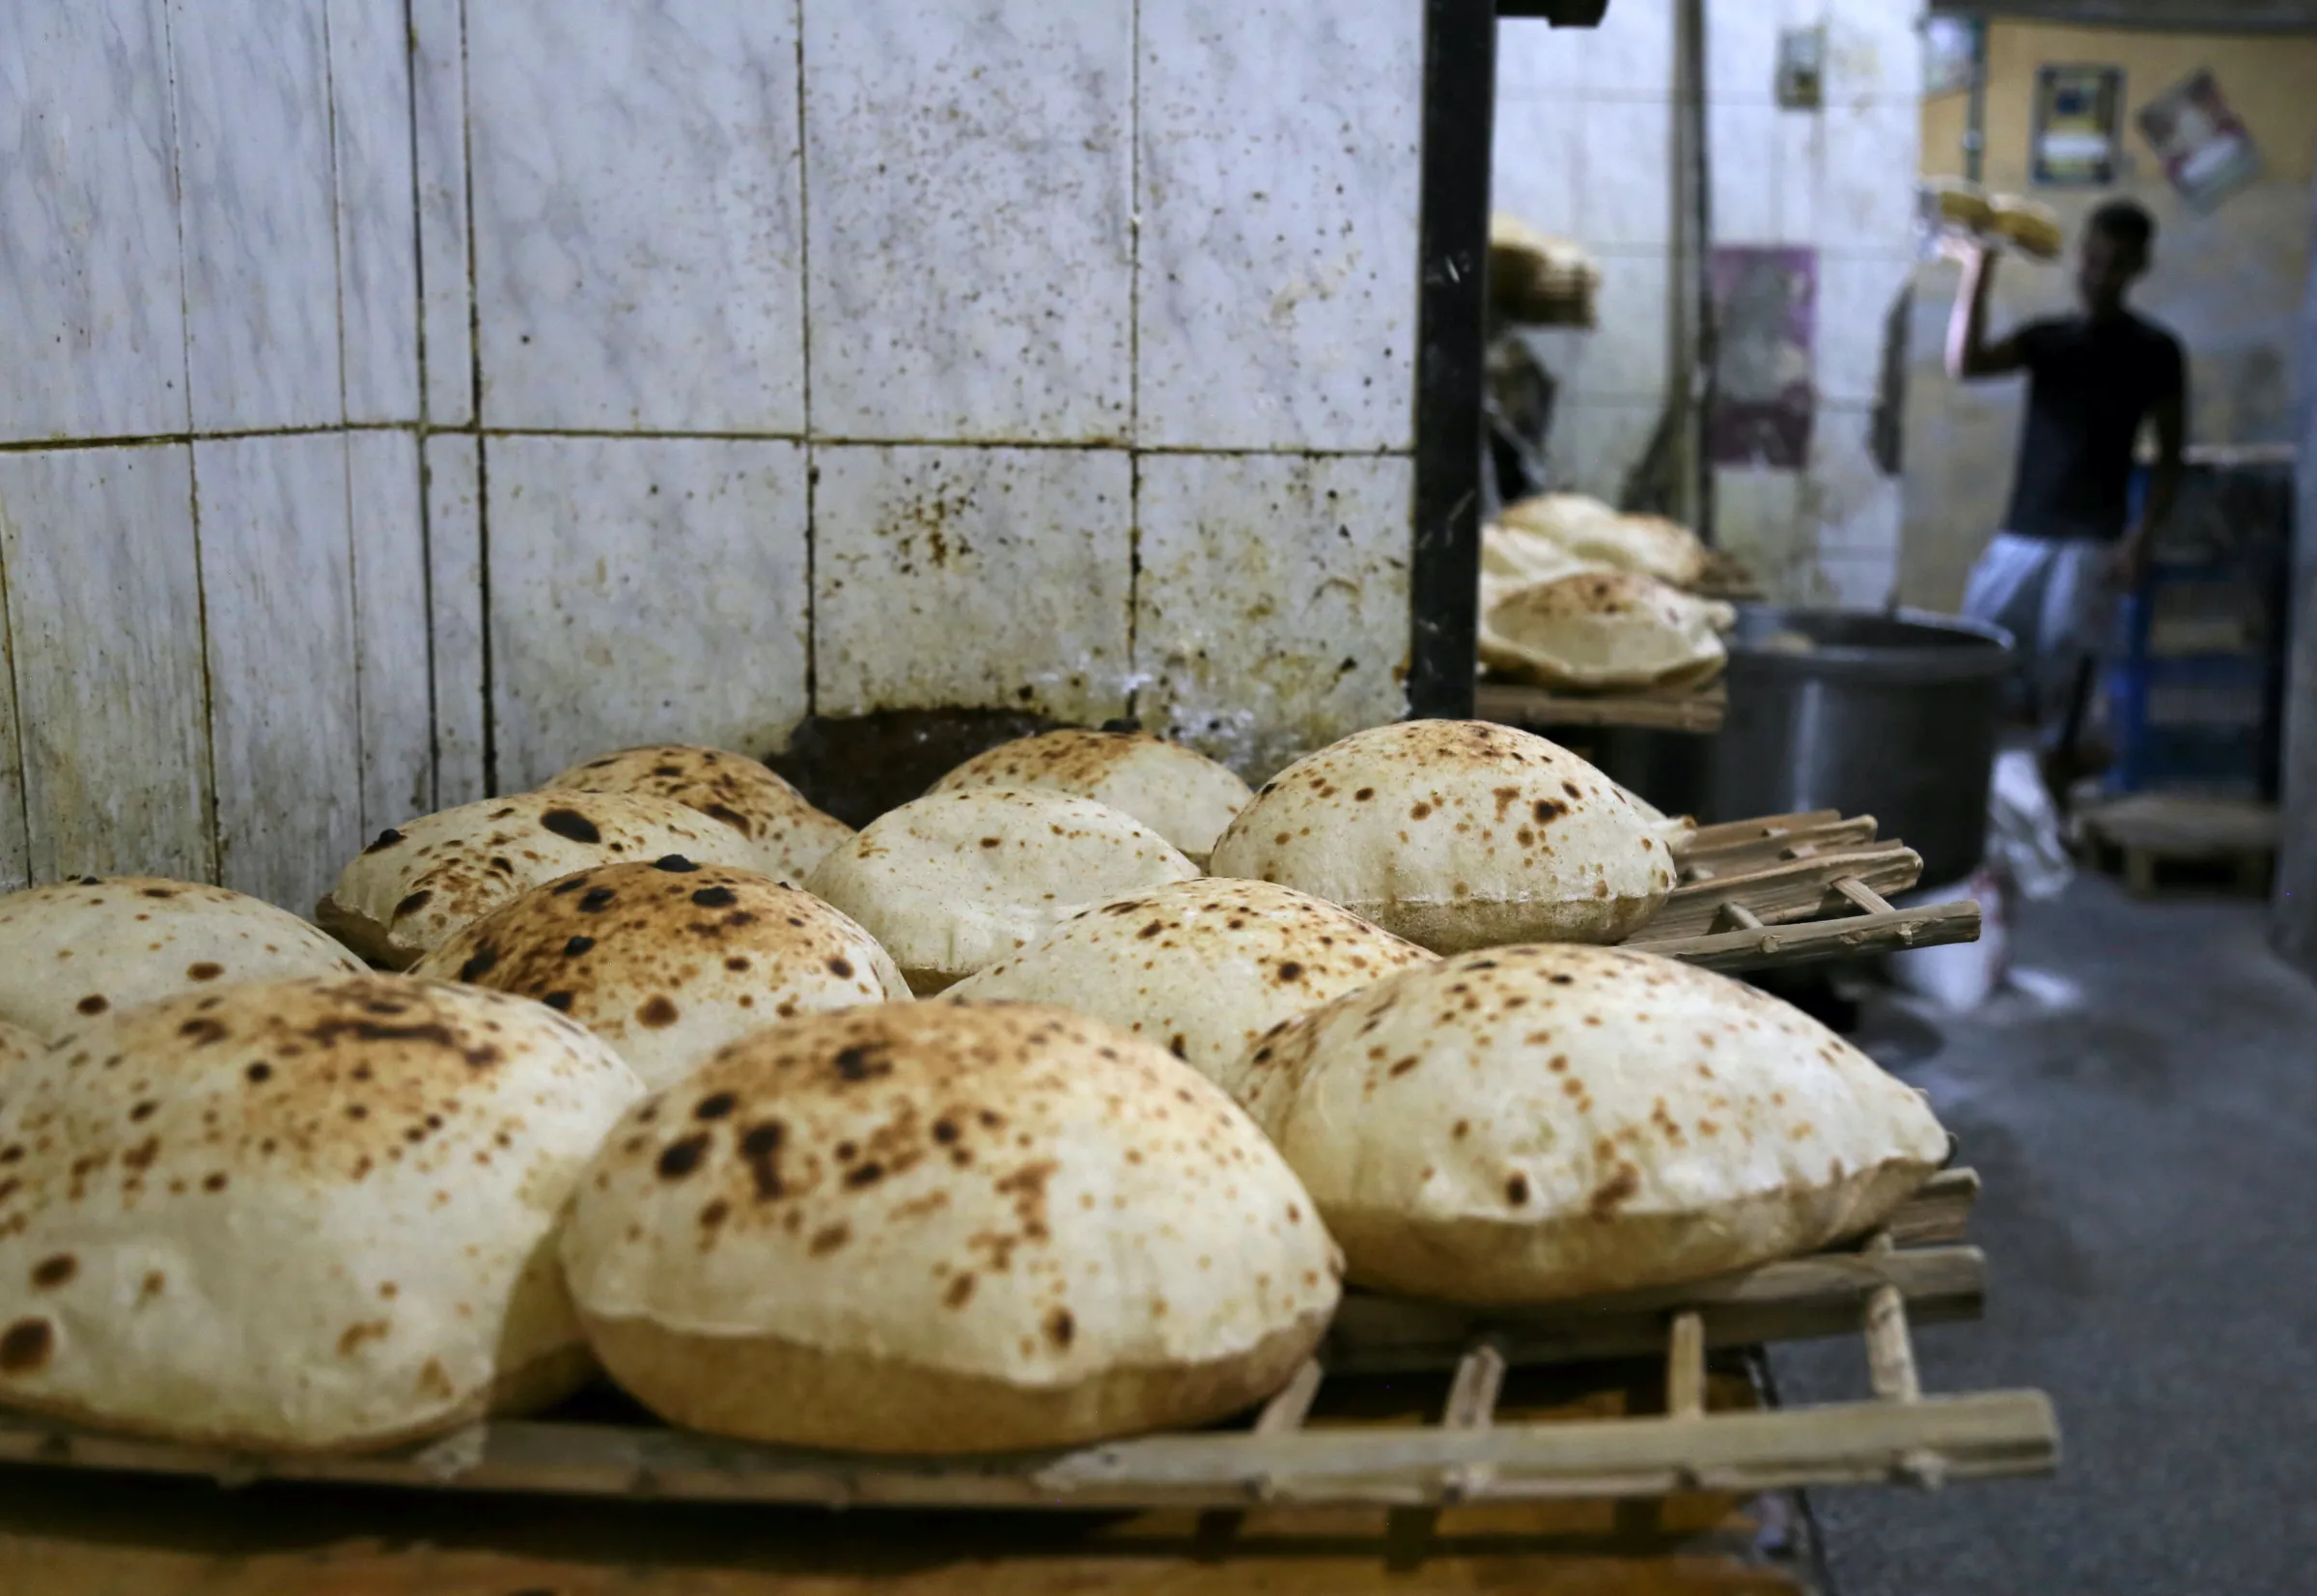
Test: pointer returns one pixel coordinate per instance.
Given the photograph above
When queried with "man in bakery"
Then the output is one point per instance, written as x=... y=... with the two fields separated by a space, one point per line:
x=2070 y=543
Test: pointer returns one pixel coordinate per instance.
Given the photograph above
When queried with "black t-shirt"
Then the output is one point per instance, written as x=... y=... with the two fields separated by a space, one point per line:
x=2089 y=385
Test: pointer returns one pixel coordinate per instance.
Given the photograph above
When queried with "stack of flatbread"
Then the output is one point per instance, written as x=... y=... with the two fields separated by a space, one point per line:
x=1578 y=597
x=1953 y=205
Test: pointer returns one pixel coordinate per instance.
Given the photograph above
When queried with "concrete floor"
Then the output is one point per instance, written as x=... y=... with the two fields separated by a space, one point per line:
x=2150 y=1221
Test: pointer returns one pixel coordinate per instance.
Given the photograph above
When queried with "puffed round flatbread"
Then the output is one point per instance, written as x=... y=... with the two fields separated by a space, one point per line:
x=1512 y=558
x=1529 y=1124
x=786 y=835
x=1201 y=967
x=944 y=1227
x=1603 y=632
x=957 y=880
x=1184 y=797
x=426 y=878
x=1456 y=834
x=77 y=950
x=1589 y=530
x=298 y=1217
x=669 y=961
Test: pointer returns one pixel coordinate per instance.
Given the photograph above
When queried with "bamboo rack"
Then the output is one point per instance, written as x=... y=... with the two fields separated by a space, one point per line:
x=1792 y=889
x=1296 y=1451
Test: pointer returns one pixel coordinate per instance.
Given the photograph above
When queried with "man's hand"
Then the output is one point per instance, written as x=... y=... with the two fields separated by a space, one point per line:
x=2128 y=561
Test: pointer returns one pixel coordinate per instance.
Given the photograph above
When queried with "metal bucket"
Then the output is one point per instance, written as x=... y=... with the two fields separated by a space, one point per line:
x=1891 y=716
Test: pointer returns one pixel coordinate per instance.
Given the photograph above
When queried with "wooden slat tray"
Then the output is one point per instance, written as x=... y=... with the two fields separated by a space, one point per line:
x=1792 y=889
x=1693 y=709
x=1900 y=1435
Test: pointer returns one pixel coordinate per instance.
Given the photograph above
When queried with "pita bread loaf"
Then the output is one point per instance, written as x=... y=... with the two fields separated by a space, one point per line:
x=426 y=878
x=1589 y=530
x=298 y=1217
x=957 y=880
x=1202 y=967
x=667 y=962
x=1535 y=1123
x=788 y=835
x=945 y=1227
x=82 y=948
x=1184 y=797
x=1455 y=834
x=1604 y=631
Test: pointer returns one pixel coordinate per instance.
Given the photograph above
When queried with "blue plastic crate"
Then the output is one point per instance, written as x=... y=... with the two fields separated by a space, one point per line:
x=2194 y=678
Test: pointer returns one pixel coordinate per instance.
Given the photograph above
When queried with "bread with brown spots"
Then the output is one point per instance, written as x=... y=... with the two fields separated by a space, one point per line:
x=945 y=1227
x=79 y=949
x=669 y=961
x=1606 y=631
x=1201 y=967
x=298 y=1217
x=1528 y=1124
x=956 y=880
x=1184 y=797
x=420 y=881
x=787 y=836
x=1456 y=834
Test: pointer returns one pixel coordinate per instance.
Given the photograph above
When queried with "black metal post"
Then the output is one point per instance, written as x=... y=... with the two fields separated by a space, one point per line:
x=1460 y=99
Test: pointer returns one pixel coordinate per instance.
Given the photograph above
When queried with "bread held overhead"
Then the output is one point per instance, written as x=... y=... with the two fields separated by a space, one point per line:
x=1184 y=797
x=1201 y=967
x=1455 y=834
x=1534 y=1123
x=945 y=1228
x=74 y=951
x=423 y=880
x=297 y=1216
x=669 y=961
x=786 y=835
x=957 y=880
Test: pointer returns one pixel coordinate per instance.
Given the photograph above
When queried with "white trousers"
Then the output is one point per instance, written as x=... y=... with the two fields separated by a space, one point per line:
x=2055 y=598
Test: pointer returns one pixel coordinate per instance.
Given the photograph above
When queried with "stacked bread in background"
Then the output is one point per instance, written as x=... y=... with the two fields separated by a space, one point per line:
x=1578 y=597
x=665 y=1093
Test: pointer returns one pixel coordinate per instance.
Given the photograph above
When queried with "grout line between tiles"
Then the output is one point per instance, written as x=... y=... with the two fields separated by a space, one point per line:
x=426 y=497
x=201 y=580
x=346 y=447
x=474 y=352
x=804 y=366
x=1134 y=704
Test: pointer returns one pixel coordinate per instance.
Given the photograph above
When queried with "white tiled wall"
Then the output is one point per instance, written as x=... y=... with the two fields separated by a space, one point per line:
x=1585 y=134
x=516 y=379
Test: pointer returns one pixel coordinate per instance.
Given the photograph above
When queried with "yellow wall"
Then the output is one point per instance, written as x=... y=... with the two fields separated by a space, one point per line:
x=2269 y=79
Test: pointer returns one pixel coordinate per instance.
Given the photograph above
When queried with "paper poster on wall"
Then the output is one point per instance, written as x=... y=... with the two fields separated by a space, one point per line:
x=2078 y=117
x=1765 y=320
x=2206 y=150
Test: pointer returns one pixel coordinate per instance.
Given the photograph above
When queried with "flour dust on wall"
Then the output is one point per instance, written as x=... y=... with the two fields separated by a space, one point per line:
x=407 y=397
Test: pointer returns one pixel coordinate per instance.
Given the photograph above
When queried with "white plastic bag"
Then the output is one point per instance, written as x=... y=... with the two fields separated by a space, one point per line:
x=2024 y=840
